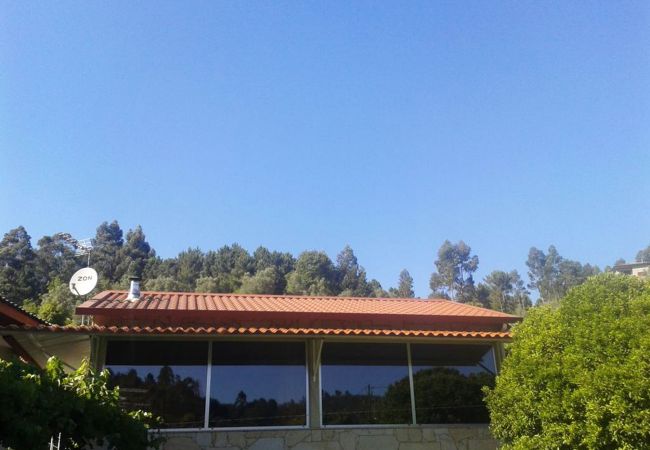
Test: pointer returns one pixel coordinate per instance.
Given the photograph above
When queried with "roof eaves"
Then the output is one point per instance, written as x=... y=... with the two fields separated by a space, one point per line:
x=20 y=310
x=280 y=331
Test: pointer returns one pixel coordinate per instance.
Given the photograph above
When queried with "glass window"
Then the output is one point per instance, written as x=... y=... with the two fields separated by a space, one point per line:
x=166 y=378
x=448 y=381
x=258 y=384
x=365 y=384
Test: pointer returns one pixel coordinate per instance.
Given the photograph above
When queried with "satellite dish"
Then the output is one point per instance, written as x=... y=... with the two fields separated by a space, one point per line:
x=83 y=281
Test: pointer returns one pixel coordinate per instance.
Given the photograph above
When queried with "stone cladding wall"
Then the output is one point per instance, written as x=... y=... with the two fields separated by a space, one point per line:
x=435 y=437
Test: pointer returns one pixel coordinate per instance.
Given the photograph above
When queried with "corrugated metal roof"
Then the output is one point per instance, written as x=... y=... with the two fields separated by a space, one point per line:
x=235 y=331
x=115 y=301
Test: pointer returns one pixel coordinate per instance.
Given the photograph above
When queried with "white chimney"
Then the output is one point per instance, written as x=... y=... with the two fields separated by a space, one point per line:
x=134 y=290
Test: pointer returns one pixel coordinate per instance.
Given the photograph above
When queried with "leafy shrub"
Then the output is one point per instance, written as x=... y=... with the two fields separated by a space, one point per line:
x=38 y=404
x=577 y=376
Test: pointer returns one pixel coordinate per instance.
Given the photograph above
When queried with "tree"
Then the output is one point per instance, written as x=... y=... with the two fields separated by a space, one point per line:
x=404 y=287
x=37 y=405
x=576 y=376
x=506 y=292
x=481 y=296
x=263 y=282
x=55 y=258
x=57 y=304
x=314 y=274
x=18 y=280
x=283 y=263
x=553 y=276
x=643 y=255
x=455 y=266
x=162 y=284
x=351 y=277
x=376 y=290
x=189 y=267
x=106 y=254
x=135 y=253
x=229 y=259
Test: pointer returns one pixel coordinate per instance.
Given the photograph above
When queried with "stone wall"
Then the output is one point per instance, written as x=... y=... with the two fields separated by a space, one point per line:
x=438 y=437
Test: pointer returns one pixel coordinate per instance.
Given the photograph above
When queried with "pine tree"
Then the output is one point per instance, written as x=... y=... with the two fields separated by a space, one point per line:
x=55 y=258
x=18 y=281
x=351 y=277
x=107 y=251
x=405 y=286
x=135 y=253
x=455 y=266
x=314 y=274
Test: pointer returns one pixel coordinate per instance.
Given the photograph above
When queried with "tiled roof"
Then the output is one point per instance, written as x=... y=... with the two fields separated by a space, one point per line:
x=233 y=331
x=114 y=301
x=14 y=313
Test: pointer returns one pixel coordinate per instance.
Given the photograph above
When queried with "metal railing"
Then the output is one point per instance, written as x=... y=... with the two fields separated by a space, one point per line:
x=57 y=445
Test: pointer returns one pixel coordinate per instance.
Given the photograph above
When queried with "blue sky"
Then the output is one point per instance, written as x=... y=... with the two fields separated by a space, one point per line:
x=389 y=126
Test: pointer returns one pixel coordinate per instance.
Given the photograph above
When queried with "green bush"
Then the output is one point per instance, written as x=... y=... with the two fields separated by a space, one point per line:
x=38 y=404
x=577 y=376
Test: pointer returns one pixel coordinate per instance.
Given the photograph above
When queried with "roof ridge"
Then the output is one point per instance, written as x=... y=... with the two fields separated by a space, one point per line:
x=285 y=304
x=314 y=297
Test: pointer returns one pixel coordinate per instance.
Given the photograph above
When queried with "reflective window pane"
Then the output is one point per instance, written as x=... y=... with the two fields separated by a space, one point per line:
x=166 y=378
x=448 y=381
x=258 y=384
x=365 y=384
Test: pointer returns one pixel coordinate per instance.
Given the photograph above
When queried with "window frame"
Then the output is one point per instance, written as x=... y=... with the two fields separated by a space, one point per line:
x=408 y=343
x=308 y=363
x=258 y=428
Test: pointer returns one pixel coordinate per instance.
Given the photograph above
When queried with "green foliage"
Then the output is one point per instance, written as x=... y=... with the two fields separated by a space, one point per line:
x=189 y=265
x=57 y=304
x=314 y=274
x=376 y=290
x=163 y=283
x=643 y=255
x=455 y=266
x=351 y=277
x=553 y=276
x=504 y=291
x=18 y=280
x=135 y=253
x=283 y=263
x=404 y=287
x=107 y=251
x=37 y=405
x=577 y=375
x=55 y=258
x=263 y=282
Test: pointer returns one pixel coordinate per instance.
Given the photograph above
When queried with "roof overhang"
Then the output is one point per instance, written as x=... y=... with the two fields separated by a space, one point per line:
x=89 y=330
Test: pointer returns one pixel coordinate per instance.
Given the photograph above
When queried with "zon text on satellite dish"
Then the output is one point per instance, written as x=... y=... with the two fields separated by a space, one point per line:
x=83 y=281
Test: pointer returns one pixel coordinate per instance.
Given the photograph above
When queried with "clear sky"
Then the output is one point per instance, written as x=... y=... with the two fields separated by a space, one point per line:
x=387 y=125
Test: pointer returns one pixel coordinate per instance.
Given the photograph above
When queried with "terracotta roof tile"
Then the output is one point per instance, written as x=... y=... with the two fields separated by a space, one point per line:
x=227 y=331
x=287 y=304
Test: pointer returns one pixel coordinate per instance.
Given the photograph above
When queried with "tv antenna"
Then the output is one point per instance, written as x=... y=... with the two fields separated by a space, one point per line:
x=82 y=247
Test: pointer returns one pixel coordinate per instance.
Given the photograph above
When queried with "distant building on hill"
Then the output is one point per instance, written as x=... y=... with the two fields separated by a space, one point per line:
x=638 y=269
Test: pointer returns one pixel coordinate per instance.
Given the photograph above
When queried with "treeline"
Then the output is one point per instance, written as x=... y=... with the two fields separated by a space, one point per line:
x=36 y=277
x=548 y=273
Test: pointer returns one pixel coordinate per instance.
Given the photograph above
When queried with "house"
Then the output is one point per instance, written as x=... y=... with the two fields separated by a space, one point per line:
x=12 y=314
x=637 y=269
x=236 y=371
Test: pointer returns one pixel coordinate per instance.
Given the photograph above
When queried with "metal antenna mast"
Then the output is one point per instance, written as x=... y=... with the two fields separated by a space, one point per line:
x=82 y=247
